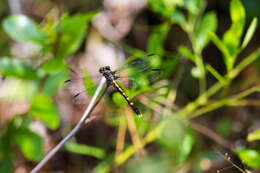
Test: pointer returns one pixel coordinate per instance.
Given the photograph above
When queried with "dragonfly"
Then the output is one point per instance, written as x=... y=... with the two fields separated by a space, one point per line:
x=138 y=68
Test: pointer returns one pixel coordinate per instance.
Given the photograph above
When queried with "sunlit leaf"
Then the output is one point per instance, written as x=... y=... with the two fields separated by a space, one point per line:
x=30 y=144
x=193 y=6
x=222 y=47
x=250 y=32
x=17 y=68
x=21 y=28
x=54 y=82
x=85 y=150
x=208 y=23
x=43 y=108
x=187 y=53
x=196 y=72
x=253 y=136
x=250 y=157
x=178 y=17
x=232 y=37
x=90 y=85
x=186 y=146
x=54 y=65
x=73 y=31
x=119 y=99
x=156 y=39
x=218 y=76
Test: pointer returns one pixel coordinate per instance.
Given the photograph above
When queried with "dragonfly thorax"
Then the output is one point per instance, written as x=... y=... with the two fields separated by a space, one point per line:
x=107 y=73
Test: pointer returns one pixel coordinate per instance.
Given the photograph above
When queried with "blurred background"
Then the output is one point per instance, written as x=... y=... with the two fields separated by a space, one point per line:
x=198 y=46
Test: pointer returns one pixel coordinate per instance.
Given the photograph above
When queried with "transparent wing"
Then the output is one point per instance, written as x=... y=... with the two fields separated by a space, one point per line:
x=138 y=72
x=135 y=73
x=81 y=86
x=140 y=64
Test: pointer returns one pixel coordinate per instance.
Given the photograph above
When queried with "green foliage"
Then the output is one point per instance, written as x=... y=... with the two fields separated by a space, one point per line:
x=54 y=82
x=85 y=150
x=73 y=30
x=119 y=100
x=253 y=136
x=250 y=32
x=6 y=166
x=177 y=138
x=29 y=143
x=157 y=38
x=17 y=131
x=231 y=38
x=90 y=85
x=250 y=157
x=62 y=38
x=207 y=23
x=52 y=66
x=16 y=68
x=43 y=108
x=22 y=28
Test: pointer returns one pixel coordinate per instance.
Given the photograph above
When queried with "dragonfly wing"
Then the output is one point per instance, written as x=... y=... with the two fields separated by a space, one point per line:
x=140 y=64
x=141 y=80
x=81 y=87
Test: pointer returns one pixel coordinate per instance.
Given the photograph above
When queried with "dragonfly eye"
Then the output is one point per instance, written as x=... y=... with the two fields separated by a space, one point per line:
x=107 y=68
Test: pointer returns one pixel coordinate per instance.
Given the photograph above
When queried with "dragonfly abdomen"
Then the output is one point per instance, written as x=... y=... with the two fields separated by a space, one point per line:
x=130 y=103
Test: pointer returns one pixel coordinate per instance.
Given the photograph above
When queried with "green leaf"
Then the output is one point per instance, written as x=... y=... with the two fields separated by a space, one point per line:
x=156 y=39
x=250 y=157
x=53 y=66
x=186 y=146
x=250 y=32
x=54 y=82
x=193 y=6
x=196 y=72
x=169 y=66
x=208 y=23
x=222 y=47
x=43 y=108
x=22 y=28
x=85 y=150
x=218 y=76
x=232 y=37
x=187 y=53
x=90 y=86
x=178 y=17
x=29 y=143
x=6 y=166
x=17 y=68
x=171 y=136
x=253 y=136
x=73 y=31
x=118 y=99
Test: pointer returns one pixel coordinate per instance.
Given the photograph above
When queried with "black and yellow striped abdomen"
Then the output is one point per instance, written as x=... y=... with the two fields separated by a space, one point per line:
x=130 y=103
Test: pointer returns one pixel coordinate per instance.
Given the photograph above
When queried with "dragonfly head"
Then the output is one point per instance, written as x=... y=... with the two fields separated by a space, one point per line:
x=104 y=69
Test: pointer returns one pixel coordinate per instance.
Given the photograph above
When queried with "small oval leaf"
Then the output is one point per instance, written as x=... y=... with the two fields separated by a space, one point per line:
x=21 y=28
x=208 y=23
x=250 y=32
x=43 y=108
x=250 y=157
x=30 y=144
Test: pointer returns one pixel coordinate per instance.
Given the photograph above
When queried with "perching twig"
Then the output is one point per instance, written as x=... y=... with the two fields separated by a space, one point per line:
x=93 y=103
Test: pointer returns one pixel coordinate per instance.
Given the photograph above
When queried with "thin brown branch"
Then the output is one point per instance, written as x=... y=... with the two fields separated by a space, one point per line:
x=212 y=135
